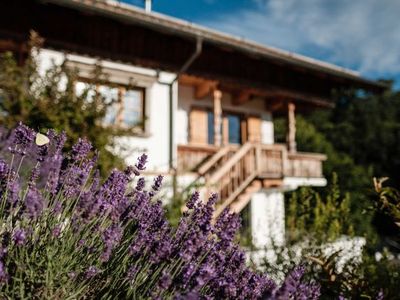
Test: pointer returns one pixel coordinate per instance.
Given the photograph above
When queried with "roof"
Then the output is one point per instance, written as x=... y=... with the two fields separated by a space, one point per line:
x=133 y=14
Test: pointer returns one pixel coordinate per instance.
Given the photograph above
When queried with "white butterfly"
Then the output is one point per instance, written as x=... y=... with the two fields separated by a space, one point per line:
x=41 y=139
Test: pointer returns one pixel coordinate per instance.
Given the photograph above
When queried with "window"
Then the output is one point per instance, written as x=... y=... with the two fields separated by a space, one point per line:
x=126 y=104
x=234 y=129
x=231 y=130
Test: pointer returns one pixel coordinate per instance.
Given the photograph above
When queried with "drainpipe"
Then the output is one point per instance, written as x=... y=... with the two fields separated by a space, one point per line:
x=185 y=66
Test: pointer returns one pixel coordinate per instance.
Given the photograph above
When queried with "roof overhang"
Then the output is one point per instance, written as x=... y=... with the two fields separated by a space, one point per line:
x=129 y=13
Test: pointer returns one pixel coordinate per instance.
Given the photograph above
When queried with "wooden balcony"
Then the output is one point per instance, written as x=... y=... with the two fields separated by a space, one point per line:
x=274 y=160
x=235 y=173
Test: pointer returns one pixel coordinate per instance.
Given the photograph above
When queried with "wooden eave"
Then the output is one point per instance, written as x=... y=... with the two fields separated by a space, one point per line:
x=118 y=32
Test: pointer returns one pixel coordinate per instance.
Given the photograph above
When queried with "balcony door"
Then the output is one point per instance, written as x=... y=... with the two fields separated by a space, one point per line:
x=235 y=129
x=231 y=128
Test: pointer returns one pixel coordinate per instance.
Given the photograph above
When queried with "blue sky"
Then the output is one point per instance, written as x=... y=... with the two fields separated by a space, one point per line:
x=362 y=35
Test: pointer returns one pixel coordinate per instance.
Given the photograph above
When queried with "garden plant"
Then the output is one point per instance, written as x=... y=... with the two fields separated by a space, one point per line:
x=67 y=234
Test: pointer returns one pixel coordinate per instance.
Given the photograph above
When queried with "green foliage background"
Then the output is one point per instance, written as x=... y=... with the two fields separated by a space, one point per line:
x=361 y=136
x=49 y=100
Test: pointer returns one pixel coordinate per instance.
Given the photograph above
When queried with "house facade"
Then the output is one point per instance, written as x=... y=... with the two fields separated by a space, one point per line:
x=202 y=103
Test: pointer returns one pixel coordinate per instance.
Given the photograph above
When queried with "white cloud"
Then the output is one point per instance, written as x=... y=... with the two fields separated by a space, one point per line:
x=363 y=34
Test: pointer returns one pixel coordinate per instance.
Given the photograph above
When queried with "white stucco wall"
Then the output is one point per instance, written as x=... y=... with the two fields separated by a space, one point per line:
x=187 y=100
x=267 y=209
x=155 y=140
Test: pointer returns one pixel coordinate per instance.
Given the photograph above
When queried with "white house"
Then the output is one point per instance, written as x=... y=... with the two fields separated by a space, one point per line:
x=205 y=100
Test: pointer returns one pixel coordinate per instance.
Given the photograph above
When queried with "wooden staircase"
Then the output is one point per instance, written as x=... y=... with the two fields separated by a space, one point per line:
x=236 y=173
x=232 y=174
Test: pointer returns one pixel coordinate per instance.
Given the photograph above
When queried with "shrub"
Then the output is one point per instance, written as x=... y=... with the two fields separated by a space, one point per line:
x=67 y=235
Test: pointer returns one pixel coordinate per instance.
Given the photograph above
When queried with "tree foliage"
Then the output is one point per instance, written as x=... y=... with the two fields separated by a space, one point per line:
x=48 y=99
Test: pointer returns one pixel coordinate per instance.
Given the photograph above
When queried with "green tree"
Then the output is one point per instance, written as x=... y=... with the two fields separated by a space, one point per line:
x=49 y=100
x=354 y=179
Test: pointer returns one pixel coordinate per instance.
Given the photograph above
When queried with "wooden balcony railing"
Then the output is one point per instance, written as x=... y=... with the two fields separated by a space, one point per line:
x=235 y=172
x=191 y=157
x=274 y=161
x=307 y=165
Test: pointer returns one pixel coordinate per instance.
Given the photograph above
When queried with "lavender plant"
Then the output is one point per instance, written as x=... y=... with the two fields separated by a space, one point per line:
x=65 y=234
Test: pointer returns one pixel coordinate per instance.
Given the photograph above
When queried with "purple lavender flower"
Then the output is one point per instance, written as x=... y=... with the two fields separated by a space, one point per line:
x=111 y=237
x=42 y=152
x=380 y=295
x=141 y=164
x=3 y=274
x=19 y=237
x=91 y=272
x=74 y=180
x=293 y=287
x=57 y=208
x=34 y=175
x=188 y=272
x=188 y=296
x=81 y=149
x=212 y=265
x=132 y=271
x=60 y=141
x=34 y=202
x=165 y=281
x=206 y=273
x=3 y=252
x=3 y=169
x=194 y=198
x=13 y=191
x=54 y=172
x=23 y=137
x=56 y=231
x=129 y=170
x=140 y=184
x=156 y=185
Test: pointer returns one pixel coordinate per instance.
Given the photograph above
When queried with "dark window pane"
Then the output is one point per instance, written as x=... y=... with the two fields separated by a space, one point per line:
x=234 y=129
x=210 y=127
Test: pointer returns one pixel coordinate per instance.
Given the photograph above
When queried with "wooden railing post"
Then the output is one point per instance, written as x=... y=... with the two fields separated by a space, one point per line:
x=291 y=135
x=258 y=158
x=217 y=117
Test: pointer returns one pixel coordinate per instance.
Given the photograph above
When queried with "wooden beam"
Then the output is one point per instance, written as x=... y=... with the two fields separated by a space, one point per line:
x=242 y=97
x=204 y=88
x=274 y=104
x=270 y=183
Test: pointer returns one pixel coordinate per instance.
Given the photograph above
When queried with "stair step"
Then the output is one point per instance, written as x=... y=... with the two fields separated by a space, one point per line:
x=245 y=197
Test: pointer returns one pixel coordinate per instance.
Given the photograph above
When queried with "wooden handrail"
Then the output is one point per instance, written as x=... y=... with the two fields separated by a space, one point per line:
x=204 y=168
x=232 y=161
x=307 y=155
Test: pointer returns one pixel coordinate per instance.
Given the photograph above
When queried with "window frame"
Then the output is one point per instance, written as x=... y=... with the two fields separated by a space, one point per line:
x=122 y=89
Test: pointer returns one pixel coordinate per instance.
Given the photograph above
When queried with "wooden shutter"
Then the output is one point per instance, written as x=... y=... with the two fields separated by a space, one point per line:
x=198 y=126
x=254 y=129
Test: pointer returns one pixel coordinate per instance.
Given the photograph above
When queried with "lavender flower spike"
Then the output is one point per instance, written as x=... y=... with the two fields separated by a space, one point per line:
x=91 y=272
x=3 y=274
x=141 y=164
x=19 y=237
x=23 y=138
x=156 y=185
x=193 y=200
x=81 y=149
